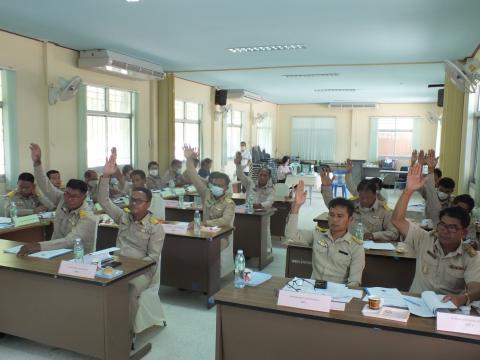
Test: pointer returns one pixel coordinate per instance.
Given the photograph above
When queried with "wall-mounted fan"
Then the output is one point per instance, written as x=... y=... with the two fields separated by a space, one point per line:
x=433 y=117
x=222 y=110
x=464 y=76
x=65 y=90
x=260 y=117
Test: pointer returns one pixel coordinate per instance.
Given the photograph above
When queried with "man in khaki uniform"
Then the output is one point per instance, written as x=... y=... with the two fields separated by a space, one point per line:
x=373 y=214
x=337 y=255
x=72 y=218
x=154 y=181
x=25 y=198
x=261 y=191
x=140 y=234
x=444 y=264
x=352 y=187
x=218 y=208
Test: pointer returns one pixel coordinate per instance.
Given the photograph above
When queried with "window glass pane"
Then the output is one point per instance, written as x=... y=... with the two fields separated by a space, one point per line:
x=179 y=113
x=228 y=118
x=386 y=123
x=192 y=111
x=404 y=124
x=403 y=144
x=191 y=135
x=118 y=135
x=119 y=101
x=2 y=151
x=95 y=98
x=386 y=143
x=96 y=141
x=233 y=140
x=179 y=141
x=237 y=117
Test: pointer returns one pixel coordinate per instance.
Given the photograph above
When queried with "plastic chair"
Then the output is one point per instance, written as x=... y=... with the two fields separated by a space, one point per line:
x=339 y=182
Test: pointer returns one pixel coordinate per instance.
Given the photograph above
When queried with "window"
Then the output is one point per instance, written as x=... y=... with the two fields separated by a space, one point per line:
x=2 y=145
x=187 y=126
x=475 y=178
x=394 y=136
x=234 y=121
x=314 y=138
x=264 y=134
x=109 y=124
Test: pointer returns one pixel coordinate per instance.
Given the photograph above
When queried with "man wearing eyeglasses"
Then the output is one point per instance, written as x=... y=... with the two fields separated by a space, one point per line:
x=140 y=234
x=73 y=220
x=444 y=264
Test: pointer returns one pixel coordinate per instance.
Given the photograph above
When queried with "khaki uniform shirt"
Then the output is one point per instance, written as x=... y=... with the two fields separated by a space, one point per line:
x=68 y=224
x=433 y=205
x=341 y=260
x=375 y=220
x=154 y=182
x=27 y=205
x=264 y=195
x=136 y=239
x=439 y=272
x=352 y=188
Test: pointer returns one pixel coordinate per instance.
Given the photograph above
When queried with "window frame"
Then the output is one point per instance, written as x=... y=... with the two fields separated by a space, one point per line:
x=3 y=176
x=108 y=114
x=395 y=131
x=184 y=121
x=232 y=125
x=261 y=128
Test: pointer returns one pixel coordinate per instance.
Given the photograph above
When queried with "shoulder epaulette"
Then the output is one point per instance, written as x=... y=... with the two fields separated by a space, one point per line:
x=385 y=206
x=470 y=250
x=229 y=200
x=11 y=194
x=357 y=240
x=127 y=210
x=321 y=229
x=353 y=198
x=154 y=221
x=82 y=214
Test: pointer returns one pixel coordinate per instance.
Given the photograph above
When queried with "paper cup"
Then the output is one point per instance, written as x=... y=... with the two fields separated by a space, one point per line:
x=374 y=302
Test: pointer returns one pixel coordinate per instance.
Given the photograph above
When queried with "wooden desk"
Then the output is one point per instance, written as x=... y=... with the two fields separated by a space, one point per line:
x=251 y=326
x=382 y=268
x=88 y=316
x=250 y=230
x=29 y=233
x=192 y=261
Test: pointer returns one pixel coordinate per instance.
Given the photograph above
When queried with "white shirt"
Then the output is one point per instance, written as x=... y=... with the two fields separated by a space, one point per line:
x=246 y=157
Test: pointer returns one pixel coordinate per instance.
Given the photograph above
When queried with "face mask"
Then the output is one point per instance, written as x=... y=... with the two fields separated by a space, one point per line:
x=153 y=172
x=442 y=196
x=179 y=171
x=93 y=183
x=129 y=183
x=216 y=191
x=114 y=181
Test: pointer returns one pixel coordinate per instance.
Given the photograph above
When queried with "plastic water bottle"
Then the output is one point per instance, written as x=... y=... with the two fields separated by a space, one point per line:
x=239 y=270
x=359 y=231
x=197 y=222
x=90 y=204
x=249 y=204
x=78 y=250
x=171 y=185
x=13 y=212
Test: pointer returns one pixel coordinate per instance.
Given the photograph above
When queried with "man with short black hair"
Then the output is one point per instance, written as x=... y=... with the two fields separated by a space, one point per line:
x=73 y=220
x=337 y=255
x=25 y=197
x=372 y=213
x=174 y=174
x=91 y=179
x=444 y=264
x=154 y=180
x=466 y=202
x=55 y=178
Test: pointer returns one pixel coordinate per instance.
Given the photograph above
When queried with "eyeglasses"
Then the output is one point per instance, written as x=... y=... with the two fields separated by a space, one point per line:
x=72 y=196
x=137 y=200
x=297 y=284
x=448 y=227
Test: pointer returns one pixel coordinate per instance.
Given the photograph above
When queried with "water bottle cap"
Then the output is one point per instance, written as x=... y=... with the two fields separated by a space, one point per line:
x=239 y=251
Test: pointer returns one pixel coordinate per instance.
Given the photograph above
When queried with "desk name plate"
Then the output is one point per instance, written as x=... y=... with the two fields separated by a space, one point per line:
x=307 y=301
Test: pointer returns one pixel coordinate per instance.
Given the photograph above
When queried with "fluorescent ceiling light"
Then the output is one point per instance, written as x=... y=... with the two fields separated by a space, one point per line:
x=132 y=1
x=247 y=49
x=310 y=75
x=334 y=90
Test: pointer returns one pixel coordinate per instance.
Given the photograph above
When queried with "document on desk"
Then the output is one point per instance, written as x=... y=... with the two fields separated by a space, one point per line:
x=5 y=220
x=338 y=292
x=372 y=245
x=428 y=304
x=390 y=296
x=46 y=254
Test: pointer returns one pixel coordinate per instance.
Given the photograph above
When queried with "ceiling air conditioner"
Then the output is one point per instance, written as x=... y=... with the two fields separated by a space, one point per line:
x=243 y=95
x=353 y=105
x=110 y=62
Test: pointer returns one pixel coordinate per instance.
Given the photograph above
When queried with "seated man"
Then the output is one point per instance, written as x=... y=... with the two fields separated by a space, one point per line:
x=91 y=179
x=124 y=179
x=337 y=255
x=205 y=166
x=140 y=234
x=55 y=179
x=186 y=179
x=352 y=187
x=174 y=173
x=72 y=218
x=154 y=181
x=261 y=191
x=467 y=203
x=368 y=210
x=25 y=198
x=218 y=208
x=444 y=264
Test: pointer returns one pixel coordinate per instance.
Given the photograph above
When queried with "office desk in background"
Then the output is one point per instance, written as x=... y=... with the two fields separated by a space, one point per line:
x=88 y=316
x=251 y=326
x=28 y=233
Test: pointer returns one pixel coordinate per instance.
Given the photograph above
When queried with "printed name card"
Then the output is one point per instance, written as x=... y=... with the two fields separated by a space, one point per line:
x=77 y=269
x=315 y=302
x=466 y=324
x=26 y=220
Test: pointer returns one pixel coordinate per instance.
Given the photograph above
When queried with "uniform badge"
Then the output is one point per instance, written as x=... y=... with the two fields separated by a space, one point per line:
x=82 y=214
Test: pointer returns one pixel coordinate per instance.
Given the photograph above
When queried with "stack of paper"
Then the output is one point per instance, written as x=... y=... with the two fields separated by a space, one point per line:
x=390 y=297
x=338 y=292
x=5 y=220
x=46 y=254
x=257 y=278
x=388 y=313
x=428 y=304
x=371 y=245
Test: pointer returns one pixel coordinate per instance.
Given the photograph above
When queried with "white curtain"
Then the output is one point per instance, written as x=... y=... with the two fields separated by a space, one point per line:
x=264 y=134
x=313 y=138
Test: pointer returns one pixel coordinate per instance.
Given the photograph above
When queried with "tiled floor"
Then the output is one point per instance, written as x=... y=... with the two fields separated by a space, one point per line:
x=190 y=333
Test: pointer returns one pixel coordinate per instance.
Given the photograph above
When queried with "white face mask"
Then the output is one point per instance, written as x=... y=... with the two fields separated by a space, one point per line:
x=153 y=172
x=442 y=196
x=93 y=183
x=216 y=191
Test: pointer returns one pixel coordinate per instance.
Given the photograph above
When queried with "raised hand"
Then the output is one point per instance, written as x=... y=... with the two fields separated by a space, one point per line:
x=300 y=195
x=189 y=152
x=325 y=177
x=431 y=160
x=110 y=167
x=35 y=152
x=421 y=157
x=238 y=158
x=414 y=157
x=415 y=180
x=349 y=166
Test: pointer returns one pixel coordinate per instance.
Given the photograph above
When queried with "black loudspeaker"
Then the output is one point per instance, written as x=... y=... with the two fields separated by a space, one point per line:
x=221 y=97
x=440 y=97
